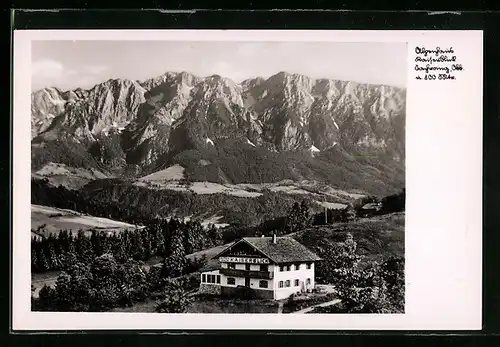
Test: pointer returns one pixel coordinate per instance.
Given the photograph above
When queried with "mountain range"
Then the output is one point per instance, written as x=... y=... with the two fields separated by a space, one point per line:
x=286 y=127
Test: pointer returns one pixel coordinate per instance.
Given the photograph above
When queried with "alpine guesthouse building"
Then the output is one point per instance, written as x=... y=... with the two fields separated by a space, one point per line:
x=274 y=267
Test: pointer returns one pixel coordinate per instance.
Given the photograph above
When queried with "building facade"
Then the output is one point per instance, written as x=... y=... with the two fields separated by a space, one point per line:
x=273 y=267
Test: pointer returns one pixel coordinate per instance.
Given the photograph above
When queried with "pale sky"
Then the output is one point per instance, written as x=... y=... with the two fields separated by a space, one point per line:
x=72 y=64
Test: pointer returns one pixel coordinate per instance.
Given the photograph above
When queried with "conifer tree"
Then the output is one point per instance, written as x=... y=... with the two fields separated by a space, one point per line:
x=34 y=258
x=43 y=262
x=120 y=248
x=214 y=235
x=175 y=263
x=83 y=247
x=137 y=246
x=54 y=260
x=96 y=242
x=298 y=218
x=146 y=243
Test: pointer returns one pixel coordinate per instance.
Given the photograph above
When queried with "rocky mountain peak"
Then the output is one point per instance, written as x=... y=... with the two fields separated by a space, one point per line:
x=250 y=83
x=92 y=113
x=179 y=111
x=170 y=77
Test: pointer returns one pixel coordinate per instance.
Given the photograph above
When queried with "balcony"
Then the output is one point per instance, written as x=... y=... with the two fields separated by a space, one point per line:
x=265 y=275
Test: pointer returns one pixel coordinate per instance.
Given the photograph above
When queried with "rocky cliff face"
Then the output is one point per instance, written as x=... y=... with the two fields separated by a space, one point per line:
x=144 y=123
x=215 y=111
x=46 y=104
x=298 y=112
x=167 y=96
x=92 y=114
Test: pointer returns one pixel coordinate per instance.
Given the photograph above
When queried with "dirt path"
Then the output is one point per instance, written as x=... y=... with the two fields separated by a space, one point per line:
x=310 y=308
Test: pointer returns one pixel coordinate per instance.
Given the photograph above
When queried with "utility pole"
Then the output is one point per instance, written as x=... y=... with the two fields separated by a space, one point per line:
x=326 y=210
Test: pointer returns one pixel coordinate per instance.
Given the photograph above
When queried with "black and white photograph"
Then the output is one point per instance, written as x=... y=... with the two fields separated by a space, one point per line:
x=263 y=180
x=218 y=176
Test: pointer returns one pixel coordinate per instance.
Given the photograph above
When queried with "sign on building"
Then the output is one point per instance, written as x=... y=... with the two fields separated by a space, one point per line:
x=244 y=260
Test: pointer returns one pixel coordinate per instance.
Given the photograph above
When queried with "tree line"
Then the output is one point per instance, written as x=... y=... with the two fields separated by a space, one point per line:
x=159 y=238
x=122 y=200
x=300 y=216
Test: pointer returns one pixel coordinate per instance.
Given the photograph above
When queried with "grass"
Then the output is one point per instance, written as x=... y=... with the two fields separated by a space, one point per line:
x=210 y=305
x=207 y=304
x=56 y=219
x=147 y=306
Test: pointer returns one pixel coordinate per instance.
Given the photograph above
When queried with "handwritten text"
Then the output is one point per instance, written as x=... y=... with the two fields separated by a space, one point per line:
x=436 y=64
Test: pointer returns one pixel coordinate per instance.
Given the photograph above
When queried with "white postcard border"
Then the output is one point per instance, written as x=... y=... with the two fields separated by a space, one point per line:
x=443 y=238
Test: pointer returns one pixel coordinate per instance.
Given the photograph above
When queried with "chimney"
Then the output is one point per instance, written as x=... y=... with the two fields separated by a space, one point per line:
x=274 y=238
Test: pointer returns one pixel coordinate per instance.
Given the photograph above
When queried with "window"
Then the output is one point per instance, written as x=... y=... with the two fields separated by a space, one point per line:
x=231 y=265
x=308 y=281
x=280 y=285
x=297 y=266
x=264 y=268
x=262 y=284
x=204 y=278
x=282 y=268
x=308 y=266
x=213 y=278
x=247 y=267
x=296 y=284
x=287 y=283
x=231 y=281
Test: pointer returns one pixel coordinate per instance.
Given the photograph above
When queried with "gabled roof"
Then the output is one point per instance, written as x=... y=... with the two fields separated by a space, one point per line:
x=285 y=250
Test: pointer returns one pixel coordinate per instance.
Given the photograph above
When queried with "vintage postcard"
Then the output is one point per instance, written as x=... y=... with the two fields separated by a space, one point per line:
x=188 y=179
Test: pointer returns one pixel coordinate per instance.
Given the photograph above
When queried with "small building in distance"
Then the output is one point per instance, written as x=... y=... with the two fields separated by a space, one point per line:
x=370 y=209
x=273 y=267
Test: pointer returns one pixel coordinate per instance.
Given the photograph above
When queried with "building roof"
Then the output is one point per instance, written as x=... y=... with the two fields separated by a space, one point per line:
x=285 y=250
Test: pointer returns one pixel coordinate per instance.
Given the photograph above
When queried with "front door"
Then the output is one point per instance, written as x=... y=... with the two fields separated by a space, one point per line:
x=247 y=281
